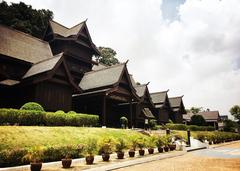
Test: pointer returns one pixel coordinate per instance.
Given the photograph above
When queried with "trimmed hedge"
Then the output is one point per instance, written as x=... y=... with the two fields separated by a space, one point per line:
x=32 y=106
x=191 y=127
x=32 y=117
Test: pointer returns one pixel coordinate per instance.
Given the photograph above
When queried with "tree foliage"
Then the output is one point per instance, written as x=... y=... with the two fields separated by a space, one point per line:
x=108 y=56
x=235 y=111
x=229 y=125
x=24 y=18
x=198 y=120
x=195 y=110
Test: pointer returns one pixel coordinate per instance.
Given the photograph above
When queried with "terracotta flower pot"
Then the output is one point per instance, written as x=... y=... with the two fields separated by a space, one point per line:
x=120 y=155
x=131 y=153
x=166 y=149
x=150 y=150
x=89 y=159
x=141 y=152
x=172 y=147
x=160 y=149
x=35 y=166
x=105 y=156
x=66 y=163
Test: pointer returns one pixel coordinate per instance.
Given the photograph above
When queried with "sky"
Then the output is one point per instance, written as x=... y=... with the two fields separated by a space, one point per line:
x=191 y=47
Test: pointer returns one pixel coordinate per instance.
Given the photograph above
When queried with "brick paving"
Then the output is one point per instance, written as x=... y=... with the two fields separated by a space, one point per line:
x=228 y=160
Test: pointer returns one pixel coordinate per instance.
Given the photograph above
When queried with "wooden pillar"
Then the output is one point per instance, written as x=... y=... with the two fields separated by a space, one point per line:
x=131 y=114
x=104 y=117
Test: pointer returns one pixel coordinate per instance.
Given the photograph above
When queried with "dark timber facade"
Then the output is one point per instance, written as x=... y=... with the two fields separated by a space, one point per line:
x=178 y=109
x=45 y=71
x=162 y=110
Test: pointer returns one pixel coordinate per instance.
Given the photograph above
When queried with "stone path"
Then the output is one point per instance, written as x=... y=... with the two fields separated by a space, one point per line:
x=225 y=158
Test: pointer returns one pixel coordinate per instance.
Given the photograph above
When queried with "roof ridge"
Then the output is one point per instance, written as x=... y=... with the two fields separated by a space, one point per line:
x=59 y=24
x=160 y=92
x=23 y=33
x=175 y=97
x=113 y=66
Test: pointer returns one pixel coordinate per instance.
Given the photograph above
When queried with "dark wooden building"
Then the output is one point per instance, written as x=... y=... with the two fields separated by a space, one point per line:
x=142 y=108
x=106 y=91
x=162 y=110
x=45 y=71
x=178 y=109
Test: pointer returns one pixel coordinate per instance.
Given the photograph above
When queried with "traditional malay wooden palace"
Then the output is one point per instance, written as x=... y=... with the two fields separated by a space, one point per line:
x=59 y=73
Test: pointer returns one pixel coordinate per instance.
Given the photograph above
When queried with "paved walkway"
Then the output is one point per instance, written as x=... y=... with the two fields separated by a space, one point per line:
x=225 y=158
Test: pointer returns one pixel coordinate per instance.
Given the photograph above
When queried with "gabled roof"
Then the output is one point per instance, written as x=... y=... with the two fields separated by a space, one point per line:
x=140 y=89
x=132 y=80
x=147 y=113
x=43 y=66
x=101 y=78
x=23 y=46
x=64 y=31
x=209 y=116
x=175 y=101
x=159 y=97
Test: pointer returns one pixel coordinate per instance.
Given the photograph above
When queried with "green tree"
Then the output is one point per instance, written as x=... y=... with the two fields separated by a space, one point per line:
x=229 y=125
x=235 y=111
x=195 y=110
x=24 y=18
x=108 y=56
x=198 y=120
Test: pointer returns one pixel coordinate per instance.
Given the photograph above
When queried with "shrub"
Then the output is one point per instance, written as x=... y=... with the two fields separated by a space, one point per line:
x=106 y=145
x=12 y=157
x=90 y=148
x=72 y=112
x=152 y=123
x=124 y=122
x=191 y=127
x=120 y=145
x=60 y=112
x=198 y=120
x=32 y=117
x=32 y=106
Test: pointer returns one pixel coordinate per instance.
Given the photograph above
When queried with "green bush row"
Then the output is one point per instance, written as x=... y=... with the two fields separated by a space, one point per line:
x=186 y=127
x=217 y=137
x=32 y=117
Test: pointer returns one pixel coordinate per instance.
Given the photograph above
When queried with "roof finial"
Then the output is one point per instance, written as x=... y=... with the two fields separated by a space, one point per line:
x=167 y=90
x=126 y=61
x=86 y=20
x=148 y=82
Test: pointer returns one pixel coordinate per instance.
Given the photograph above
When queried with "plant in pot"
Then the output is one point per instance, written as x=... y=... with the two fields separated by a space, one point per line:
x=133 y=146
x=151 y=144
x=120 y=147
x=166 y=142
x=67 y=156
x=106 y=146
x=124 y=122
x=90 y=150
x=172 y=145
x=34 y=156
x=141 y=145
x=160 y=144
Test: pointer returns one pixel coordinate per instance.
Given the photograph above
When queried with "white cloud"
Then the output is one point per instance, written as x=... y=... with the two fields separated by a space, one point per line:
x=195 y=55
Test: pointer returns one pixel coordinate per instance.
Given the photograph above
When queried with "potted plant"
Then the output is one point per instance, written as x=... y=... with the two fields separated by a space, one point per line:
x=141 y=144
x=124 y=122
x=159 y=144
x=151 y=144
x=67 y=156
x=106 y=148
x=90 y=150
x=120 y=146
x=133 y=146
x=35 y=156
x=166 y=143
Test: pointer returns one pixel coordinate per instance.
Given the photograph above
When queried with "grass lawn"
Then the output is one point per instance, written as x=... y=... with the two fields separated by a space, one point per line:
x=29 y=136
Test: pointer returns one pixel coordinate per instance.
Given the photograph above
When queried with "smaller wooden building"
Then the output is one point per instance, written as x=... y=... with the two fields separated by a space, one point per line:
x=178 y=109
x=162 y=110
x=106 y=91
x=212 y=118
x=143 y=108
